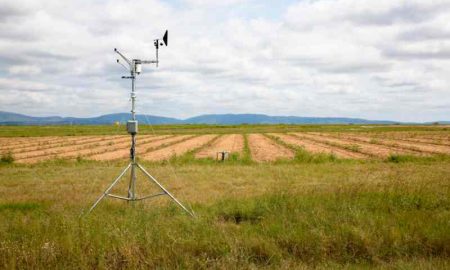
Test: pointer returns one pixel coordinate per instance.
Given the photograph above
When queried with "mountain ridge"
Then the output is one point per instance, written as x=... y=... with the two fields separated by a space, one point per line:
x=8 y=118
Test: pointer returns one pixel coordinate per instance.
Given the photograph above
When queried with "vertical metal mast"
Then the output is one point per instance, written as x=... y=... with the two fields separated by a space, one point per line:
x=132 y=186
x=135 y=67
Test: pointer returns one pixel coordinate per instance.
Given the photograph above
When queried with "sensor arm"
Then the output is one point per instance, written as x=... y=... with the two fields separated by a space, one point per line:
x=123 y=57
x=118 y=62
x=149 y=61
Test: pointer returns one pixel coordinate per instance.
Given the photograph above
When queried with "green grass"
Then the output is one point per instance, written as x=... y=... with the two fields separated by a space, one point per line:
x=397 y=158
x=19 y=206
x=6 y=158
x=26 y=131
x=246 y=154
x=323 y=215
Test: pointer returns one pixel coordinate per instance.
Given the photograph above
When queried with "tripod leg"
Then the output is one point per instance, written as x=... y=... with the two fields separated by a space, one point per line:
x=165 y=190
x=108 y=189
x=132 y=185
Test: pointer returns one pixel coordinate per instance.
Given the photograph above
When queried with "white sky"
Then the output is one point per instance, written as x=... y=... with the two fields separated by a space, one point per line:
x=381 y=59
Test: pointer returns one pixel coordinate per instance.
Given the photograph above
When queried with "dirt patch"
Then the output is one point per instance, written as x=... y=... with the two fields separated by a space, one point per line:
x=53 y=152
x=178 y=148
x=265 y=149
x=19 y=143
x=233 y=143
x=361 y=147
x=8 y=143
x=318 y=148
x=57 y=144
x=411 y=146
x=443 y=142
x=426 y=140
x=114 y=148
x=437 y=137
x=143 y=147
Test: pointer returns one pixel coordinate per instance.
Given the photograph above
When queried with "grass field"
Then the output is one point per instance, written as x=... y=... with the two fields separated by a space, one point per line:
x=26 y=131
x=386 y=206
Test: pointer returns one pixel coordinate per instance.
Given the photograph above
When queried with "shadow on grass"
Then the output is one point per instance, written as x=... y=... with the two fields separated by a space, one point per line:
x=22 y=206
x=395 y=158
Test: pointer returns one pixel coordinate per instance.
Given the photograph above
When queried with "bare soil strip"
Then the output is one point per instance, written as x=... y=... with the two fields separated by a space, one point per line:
x=426 y=141
x=85 y=152
x=80 y=151
x=67 y=150
x=8 y=143
x=416 y=135
x=35 y=141
x=362 y=147
x=64 y=148
x=232 y=143
x=440 y=137
x=17 y=140
x=118 y=147
x=142 y=148
x=178 y=148
x=265 y=149
x=433 y=139
x=58 y=144
x=21 y=143
x=420 y=148
x=318 y=148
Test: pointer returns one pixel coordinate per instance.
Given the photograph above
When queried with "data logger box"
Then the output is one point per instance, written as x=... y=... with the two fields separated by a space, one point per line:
x=132 y=126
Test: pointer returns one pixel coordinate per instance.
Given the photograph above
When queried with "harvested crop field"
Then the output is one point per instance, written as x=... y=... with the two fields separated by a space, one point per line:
x=232 y=143
x=316 y=147
x=435 y=139
x=64 y=147
x=417 y=147
x=260 y=148
x=364 y=148
x=178 y=149
x=264 y=149
x=28 y=144
x=67 y=148
x=145 y=145
x=419 y=138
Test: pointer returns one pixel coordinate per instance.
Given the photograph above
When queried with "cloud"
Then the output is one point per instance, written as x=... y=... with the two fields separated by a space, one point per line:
x=411 y=53
x=421 y=34
x=24 y=69
x=382 y=13
x=383 y=59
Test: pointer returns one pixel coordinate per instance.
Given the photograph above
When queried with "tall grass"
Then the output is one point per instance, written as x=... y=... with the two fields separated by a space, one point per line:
x=324 y=215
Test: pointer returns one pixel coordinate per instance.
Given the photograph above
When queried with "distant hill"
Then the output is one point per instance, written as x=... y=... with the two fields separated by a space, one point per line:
x=235 y=119
x=8 y=118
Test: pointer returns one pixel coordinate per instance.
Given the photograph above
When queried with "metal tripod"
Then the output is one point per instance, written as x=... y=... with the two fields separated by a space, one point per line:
x=132 y=127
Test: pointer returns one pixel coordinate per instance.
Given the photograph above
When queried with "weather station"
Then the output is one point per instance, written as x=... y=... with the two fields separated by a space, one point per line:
x=134 y=67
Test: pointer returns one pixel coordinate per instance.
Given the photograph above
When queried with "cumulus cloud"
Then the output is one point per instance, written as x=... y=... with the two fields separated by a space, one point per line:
x=380 y=60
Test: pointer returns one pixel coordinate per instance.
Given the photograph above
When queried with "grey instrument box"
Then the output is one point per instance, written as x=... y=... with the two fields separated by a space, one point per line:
x=132 y=126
